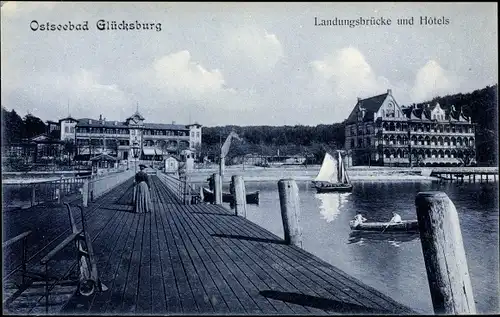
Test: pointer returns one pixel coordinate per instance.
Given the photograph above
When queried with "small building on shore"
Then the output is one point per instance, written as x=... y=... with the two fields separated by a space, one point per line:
x=171 y=164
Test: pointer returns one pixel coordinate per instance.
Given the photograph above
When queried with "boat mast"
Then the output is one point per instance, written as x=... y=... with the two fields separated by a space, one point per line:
x=340 y=175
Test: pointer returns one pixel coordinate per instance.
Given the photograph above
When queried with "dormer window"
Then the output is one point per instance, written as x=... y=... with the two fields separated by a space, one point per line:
x=90 y=121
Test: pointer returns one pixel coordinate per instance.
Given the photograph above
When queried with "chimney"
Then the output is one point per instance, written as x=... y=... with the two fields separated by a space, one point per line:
x=389 y=91
x=100 y=117
x=173 y=122
x=359 y=99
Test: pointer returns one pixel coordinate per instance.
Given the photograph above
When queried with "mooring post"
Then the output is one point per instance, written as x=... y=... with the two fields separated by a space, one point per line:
x=217 y=188
x=444 y=254
x=290 y=211
x=85 y=193
x=33 y=196
x=239 y=195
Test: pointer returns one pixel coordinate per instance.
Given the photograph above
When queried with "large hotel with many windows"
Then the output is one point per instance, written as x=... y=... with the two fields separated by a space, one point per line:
x=150 y=141
x=380 y=132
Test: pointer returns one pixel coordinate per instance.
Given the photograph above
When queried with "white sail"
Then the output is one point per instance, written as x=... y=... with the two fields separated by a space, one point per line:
x=328 y=171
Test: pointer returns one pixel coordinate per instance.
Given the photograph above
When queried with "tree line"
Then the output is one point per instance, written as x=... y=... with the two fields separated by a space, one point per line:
x=481 y=105
x=15 y=128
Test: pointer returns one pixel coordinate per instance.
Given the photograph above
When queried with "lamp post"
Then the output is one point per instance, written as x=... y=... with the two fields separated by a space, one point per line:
x=135 y=149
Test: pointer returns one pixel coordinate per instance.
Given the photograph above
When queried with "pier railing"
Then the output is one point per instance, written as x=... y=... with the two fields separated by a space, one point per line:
x=182 y=188
x=26 y=194
x=100 y=185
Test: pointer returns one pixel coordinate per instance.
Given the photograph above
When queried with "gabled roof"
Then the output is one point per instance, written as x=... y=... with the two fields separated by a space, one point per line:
x=196 y=124
x=68 y=118
x=370 y=105
x=104 y=157
x=136 y=115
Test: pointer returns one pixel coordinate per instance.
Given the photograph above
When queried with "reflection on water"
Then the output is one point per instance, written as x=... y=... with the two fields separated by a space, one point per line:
x=331 y=204
x=391 y=262
x=393 y=238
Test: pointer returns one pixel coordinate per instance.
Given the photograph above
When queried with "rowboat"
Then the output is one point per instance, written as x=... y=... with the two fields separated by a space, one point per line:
x=405 y=225
x=252 y=197
x=332 y=176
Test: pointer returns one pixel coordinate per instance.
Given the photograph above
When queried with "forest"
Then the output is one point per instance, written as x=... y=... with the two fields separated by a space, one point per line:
x=481 y=105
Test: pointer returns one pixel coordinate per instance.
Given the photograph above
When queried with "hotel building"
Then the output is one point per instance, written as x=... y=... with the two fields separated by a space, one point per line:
x=380 y=132
x=153 y=141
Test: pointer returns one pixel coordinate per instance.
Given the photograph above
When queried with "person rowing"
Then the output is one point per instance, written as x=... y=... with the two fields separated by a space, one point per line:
x=358 y=219
x=396 y=218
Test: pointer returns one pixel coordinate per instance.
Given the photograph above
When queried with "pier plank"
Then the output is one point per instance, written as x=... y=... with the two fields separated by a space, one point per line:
x=202 y=259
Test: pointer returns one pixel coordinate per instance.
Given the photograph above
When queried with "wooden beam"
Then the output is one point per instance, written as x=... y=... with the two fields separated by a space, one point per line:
x=290 y=211
x=15 y=239
x=444 y=254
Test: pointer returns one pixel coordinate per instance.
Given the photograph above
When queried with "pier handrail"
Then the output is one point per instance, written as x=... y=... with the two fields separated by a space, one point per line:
x=181 y=188
x=100 y=185
x=22 y=194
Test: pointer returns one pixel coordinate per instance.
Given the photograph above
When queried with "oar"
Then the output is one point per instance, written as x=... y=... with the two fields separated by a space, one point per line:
x=386 y=227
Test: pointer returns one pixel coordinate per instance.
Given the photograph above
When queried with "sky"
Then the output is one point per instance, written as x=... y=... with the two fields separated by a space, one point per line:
x=239 y=63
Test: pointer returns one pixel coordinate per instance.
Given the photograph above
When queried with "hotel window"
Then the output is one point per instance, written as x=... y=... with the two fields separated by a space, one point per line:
x=197 y=134
x=192 y=134
x=66 y=129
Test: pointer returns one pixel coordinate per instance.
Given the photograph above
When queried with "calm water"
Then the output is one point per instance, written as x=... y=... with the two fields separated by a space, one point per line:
x=391 y=263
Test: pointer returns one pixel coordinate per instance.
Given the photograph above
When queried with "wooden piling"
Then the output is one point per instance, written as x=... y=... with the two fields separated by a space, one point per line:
x=480 y=178
x=58 y=195
x=474 y=178
x=85 y=193
x=444 y=254
x=217 y=189
x=290 y=211
x=239 y=195
x=33 y=196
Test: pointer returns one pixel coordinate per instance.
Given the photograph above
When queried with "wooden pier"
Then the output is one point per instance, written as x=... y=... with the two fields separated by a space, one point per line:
x=473 y=174
x=197 y=259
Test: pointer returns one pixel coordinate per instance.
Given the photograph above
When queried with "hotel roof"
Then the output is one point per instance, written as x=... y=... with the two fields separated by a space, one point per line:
x=96 y=123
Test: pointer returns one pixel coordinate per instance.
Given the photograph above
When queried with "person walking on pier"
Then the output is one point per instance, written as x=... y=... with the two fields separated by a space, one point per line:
x=142 y=191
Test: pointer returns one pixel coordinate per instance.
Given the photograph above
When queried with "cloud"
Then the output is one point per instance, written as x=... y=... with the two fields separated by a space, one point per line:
x=432 y=80
x=343 y=76
x=253 y=46
x=177 y=73
x=48 y=94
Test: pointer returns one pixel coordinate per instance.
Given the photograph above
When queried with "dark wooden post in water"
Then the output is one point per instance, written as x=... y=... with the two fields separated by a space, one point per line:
x=239 y=195
x=290 y=211
x=85 y=193
x=444 y=254
x=33 y=195
x=217 y=189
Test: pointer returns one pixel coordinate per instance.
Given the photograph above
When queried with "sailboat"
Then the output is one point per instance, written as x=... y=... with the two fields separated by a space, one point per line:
x=332 y=176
